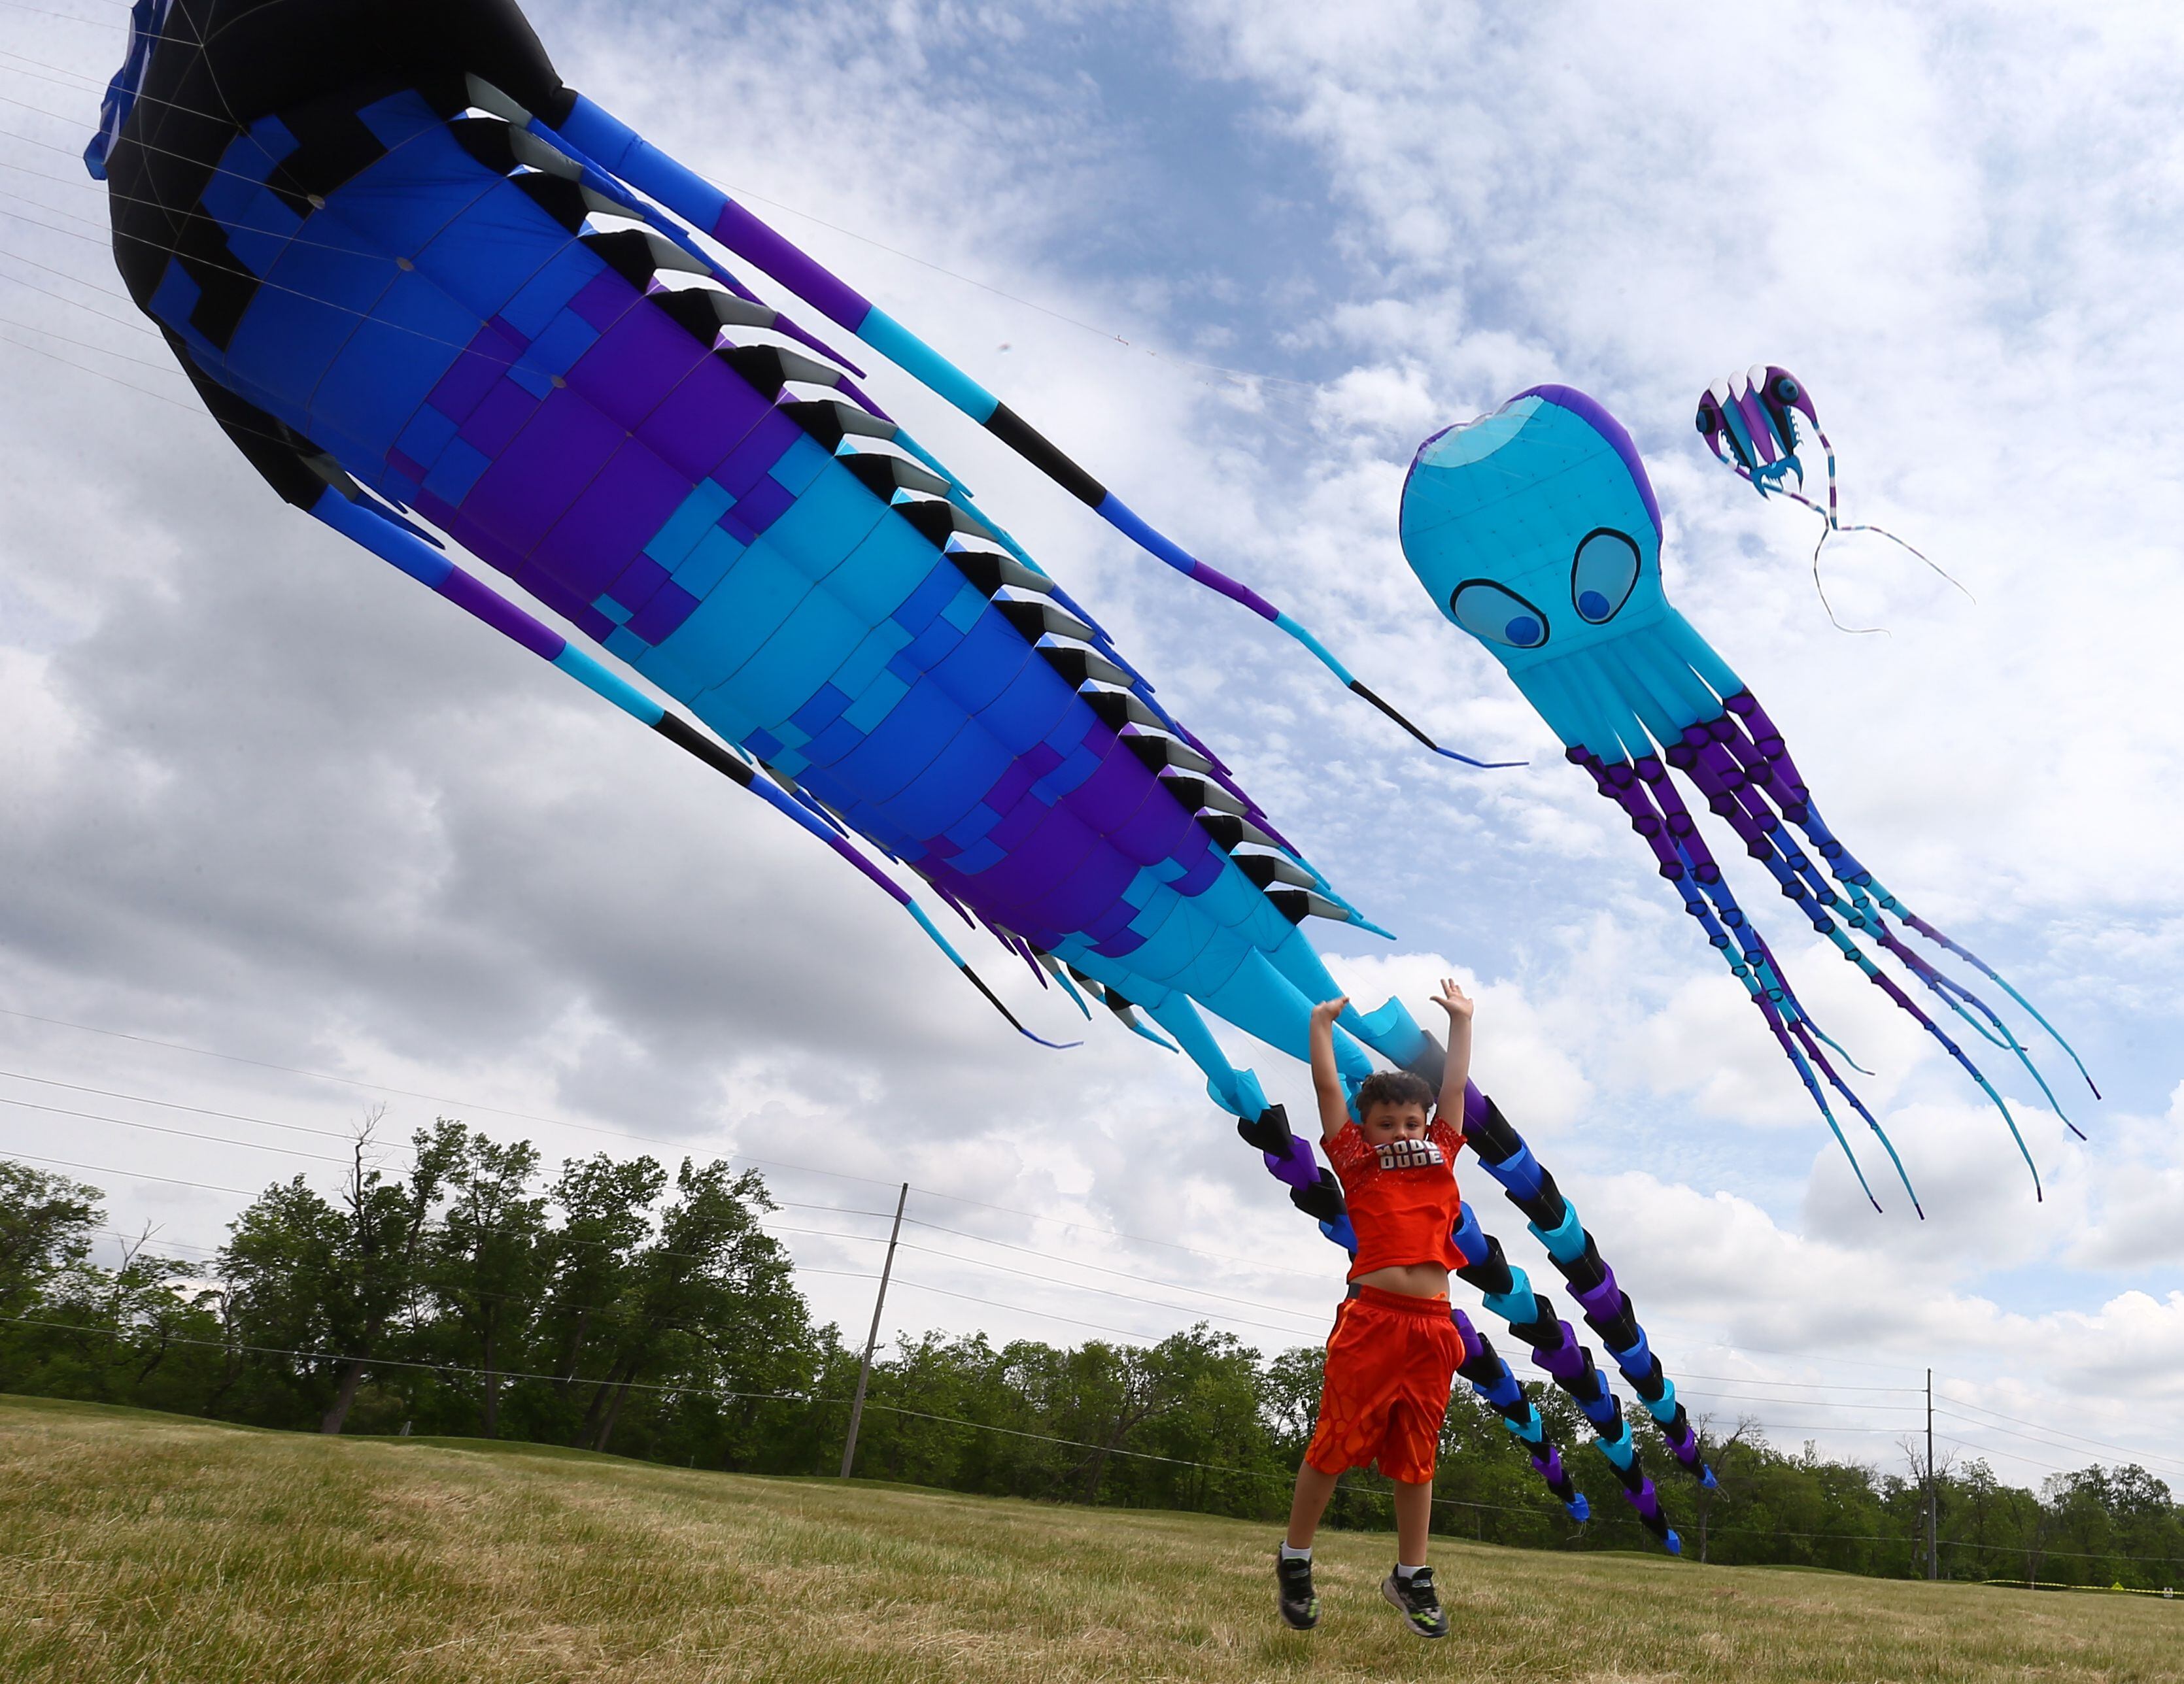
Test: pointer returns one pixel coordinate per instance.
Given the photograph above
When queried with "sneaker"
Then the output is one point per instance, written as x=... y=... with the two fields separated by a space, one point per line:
x=1293 y=1593
x=1418 y=1602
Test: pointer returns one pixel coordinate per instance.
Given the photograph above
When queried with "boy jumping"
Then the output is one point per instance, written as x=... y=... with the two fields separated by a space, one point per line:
x=1393 y=1354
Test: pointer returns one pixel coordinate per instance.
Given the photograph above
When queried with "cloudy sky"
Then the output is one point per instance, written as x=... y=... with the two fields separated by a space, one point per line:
x=264 y=799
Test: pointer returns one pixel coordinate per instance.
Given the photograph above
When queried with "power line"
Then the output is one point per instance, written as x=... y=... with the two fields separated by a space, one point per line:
x=1048 y=1280
x=975 y=1263
x=1682 y=1391
x=2050 y=1443
x=1738 y=1400
x=133 y=1175
x=88 y=285
x=1766 y=1380
x=163 y=1104
x=86 y=82
x=1823 y=1427
x=139 y=1175
x=1129 y=1275
x=41 y=176
x=188 y=1134
x=1108 y=1292
x=135 y=323
x=629 y=1135
x=1984 y=1451
x=85 y=344
x=957 y=1257
x=433 y=1098
x=401 y=1363
x=331 y=1134
x=1807 y=1356
x=81 y=367
x=47 y=12
x=2060 y=1432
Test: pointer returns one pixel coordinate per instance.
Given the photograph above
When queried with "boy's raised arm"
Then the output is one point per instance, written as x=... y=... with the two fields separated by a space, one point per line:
x=1326 y=1080
x=1456 y=1069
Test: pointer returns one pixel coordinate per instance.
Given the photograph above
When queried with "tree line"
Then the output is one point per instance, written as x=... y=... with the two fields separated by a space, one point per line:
x=613 y=1306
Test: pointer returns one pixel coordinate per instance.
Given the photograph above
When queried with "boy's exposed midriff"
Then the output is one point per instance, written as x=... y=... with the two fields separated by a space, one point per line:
x=1412 y=1279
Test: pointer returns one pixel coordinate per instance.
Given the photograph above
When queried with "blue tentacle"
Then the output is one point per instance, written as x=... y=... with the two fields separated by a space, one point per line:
x=1688 y=758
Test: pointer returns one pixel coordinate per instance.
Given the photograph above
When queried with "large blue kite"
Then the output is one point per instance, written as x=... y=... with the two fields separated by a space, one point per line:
x=428 y=288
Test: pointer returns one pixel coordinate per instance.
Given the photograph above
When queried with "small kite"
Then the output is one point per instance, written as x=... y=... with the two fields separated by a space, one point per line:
x=1755 y=422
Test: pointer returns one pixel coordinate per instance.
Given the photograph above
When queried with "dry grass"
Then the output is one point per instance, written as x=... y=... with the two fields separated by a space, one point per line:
x=147 y=1547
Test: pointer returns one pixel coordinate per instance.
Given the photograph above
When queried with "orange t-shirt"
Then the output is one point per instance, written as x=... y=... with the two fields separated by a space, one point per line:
x=1402 y=1197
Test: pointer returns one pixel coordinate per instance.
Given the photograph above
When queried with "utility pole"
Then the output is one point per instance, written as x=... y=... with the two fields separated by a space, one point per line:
x=1933 y=1545
x=872 y=1338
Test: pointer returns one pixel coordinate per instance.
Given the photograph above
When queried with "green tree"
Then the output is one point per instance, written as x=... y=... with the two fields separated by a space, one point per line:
x=486 y=1257
x=333 y=1279
x=710 y=1280
x=589 y=1262
x=46 y=1224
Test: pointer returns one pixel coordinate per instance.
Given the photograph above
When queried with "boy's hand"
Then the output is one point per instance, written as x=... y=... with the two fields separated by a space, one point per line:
x=1325 y=1013
x=1454 y=1001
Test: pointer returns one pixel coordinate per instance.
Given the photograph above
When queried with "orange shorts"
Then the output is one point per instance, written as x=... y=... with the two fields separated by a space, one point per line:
x=1390 y=1362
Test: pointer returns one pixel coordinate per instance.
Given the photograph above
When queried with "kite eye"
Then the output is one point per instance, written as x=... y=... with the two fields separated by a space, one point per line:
x=1487 y=611
x=1602 y=575
x=1706 y=422
x=1787 y=389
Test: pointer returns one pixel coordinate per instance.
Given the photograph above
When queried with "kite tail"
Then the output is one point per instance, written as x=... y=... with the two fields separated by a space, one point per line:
x=1489 y=1376
x=1313 y=1190
x=1805 y=1029
x=1053 y=967
x=1981 y=966
x=1557 y=1351
x=392 y=541
x=1765 y=760
x=620 y=152
x=1774 y=768
x=1834 y=518
x=1831 y=523
x=1736 y=795
x=1123 y=1008
x=1965 y=1003
x=1607 y=1309
x=1685 y=861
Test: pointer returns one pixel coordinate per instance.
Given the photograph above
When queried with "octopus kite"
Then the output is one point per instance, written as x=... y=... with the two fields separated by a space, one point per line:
x=1536 y=530
x=432 y=294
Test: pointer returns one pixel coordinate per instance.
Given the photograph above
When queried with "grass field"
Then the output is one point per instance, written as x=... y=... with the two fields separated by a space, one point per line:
x=153 y=1549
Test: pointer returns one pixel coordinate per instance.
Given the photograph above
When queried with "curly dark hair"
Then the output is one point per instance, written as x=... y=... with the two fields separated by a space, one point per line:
x=1394 y=1087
